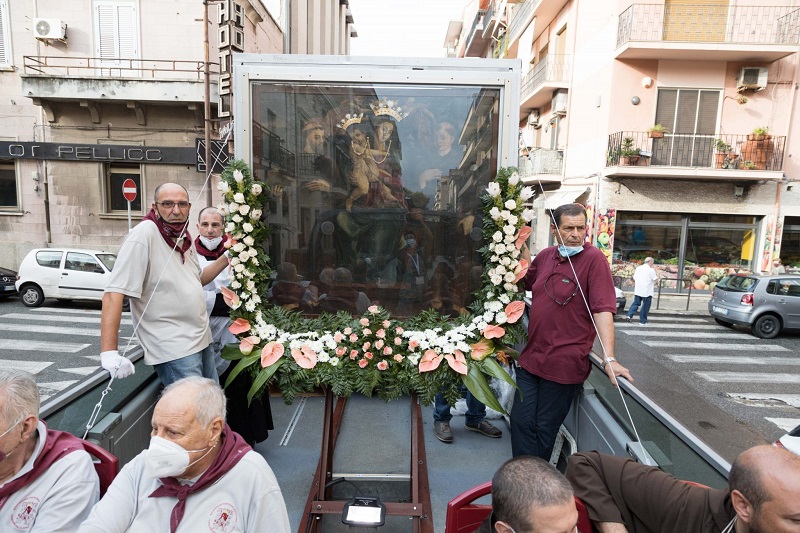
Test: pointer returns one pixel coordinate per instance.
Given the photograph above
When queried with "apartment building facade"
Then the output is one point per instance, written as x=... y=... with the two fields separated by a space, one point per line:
x=710 y=191
x=96 y=92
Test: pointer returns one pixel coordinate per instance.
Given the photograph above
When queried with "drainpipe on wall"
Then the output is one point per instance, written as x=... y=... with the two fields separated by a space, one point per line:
x=287 y=32
x=207 y=106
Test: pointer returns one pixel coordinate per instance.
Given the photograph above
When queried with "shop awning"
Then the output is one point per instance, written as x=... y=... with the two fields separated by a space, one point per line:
x=564 y=195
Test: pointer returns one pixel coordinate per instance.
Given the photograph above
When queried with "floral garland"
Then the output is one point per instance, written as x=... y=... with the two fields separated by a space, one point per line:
x=375 y=354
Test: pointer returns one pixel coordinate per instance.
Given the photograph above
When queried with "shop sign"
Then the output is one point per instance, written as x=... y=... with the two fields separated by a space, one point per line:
x=165 y=155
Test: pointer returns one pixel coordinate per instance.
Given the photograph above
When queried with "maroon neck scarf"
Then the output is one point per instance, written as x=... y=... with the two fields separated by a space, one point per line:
x=170 y=231
x=210 y=254
x=57 y=445
x=233 y=448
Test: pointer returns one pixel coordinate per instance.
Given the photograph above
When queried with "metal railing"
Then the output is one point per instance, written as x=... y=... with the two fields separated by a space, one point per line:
x=732 y=152
x=551 y=68
x=273 y=153
x=705 y=23
x=542 y=161
x=93 y=67
x=521 y=16
x=487 y=20
x=473 y=31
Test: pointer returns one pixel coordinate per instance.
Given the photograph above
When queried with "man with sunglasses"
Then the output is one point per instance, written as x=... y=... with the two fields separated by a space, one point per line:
x=157 y=268
x=573 y=301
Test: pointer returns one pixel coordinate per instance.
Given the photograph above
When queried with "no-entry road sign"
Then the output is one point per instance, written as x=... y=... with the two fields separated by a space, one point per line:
x=129 y=189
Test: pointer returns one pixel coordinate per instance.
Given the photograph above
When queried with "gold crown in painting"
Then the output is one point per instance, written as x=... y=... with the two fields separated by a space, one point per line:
x=350 y=119
x=388 y=108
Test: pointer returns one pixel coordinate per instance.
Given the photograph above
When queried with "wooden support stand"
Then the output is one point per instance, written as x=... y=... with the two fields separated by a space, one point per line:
x=319 y=500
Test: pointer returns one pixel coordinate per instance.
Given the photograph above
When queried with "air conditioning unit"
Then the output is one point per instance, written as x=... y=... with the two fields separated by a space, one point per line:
x=49 y=29
x=533 y=117
x=752 y=78
x=559 y=105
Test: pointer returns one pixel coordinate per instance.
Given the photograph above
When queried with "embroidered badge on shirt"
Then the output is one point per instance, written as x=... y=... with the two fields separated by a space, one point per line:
x=223 y=519
x=24 y=513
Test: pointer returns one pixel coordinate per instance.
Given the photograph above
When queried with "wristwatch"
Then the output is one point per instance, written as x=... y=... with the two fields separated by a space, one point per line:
x=606 y=361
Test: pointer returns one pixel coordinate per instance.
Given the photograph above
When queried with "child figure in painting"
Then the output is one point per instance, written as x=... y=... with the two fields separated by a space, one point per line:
x=365 y=169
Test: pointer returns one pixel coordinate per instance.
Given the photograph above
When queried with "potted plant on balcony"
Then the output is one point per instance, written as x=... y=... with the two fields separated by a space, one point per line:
x=723 y=150
x=656 y=131
x=628 y=154
x=748 y=165
x=758 y=148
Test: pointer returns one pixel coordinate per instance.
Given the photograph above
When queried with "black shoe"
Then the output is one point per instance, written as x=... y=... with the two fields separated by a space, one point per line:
x=627 y=319
x=485 y=428
x=443 y=432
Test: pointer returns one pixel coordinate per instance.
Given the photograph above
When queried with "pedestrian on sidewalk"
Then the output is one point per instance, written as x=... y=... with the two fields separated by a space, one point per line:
x=644 y=279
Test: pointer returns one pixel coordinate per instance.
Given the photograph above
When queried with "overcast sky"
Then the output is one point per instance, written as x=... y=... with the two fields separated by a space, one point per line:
x=413 y=28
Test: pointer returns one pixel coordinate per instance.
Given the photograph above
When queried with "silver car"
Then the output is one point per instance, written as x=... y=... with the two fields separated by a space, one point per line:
x=766 y=304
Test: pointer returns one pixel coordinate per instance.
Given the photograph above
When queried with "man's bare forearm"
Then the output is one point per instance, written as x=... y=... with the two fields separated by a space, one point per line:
x=212 y=270
x=110 y=320
x=610 y=527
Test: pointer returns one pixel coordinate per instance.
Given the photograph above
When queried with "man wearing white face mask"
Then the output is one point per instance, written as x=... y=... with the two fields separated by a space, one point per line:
x=555 y=361
x=195 y=474
x=47 y=481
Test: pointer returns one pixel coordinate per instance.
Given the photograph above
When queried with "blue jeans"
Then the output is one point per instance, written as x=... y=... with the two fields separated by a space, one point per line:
x=197 y=364
x=476 y=411
x=645 y=301
x=540 y=407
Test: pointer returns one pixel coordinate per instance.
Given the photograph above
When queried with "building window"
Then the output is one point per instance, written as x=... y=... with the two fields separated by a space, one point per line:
x=9 y=199
x=690 y=117
x=117 y=37
x=5 y=36
x=116 y=174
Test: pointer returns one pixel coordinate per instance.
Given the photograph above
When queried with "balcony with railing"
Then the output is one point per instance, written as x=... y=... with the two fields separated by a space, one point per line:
x=708 y=32
x=542 y=165
x=522 y=17
x=550 y=73
x=476 y=42
x=695 y=156
x=115 y=79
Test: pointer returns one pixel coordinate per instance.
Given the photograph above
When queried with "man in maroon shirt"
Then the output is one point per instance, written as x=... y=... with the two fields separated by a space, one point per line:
x=573 y=301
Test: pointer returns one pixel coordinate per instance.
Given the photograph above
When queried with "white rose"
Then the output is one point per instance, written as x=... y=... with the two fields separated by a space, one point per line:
x=257 y=298
x=255 y=214
x=493 y=189
x=222 y=186
x=255 y=262
x=233 y=207
x=510 y=287
x=526 y=193
x=496 y=280
x=505 y=214
x=527 y=215
x=238 y=176
x=235 y=261
x=513 y=219
x=238 y=247
x=500 y=270
x=249 y=240
x=237 y=218
x=239 y=268
x=238 y=197
x=229 y=227
x=247 y=227
x=236 y=285
x=505 y=261
x=513 y=179
x=500 y=249
x=244 y=209
x=251 y=285
x=509 y=230
x=497 y=237
x=510 y=277
x=511 y=204
x=494 y=213
x=255 y=189
x=253 y=252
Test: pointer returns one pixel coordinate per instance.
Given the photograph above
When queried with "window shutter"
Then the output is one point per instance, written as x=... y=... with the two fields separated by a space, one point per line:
x=116 y=30
x=106 y=31
x=126 y=17
x=687 y=111
x=707 y=112
x=5 y=38
x=665 y=109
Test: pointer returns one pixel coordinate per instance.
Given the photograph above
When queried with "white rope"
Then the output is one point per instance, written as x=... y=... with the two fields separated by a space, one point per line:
x=606 y=357
x=96 y=411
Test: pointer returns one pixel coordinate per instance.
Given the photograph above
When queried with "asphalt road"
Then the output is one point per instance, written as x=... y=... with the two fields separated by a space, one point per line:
x=730 y=388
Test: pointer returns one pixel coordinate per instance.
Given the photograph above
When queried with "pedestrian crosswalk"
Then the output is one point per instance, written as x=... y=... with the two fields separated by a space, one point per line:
x=724 y=357
x=59 y=345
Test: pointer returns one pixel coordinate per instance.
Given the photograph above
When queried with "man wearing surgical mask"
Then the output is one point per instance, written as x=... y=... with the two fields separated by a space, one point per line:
x=47 y=481
x=252 y=420
x=572 y=293
x=196 y=475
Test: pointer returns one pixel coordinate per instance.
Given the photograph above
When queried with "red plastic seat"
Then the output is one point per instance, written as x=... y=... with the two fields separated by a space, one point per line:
x=463 y=516
x=105 y=464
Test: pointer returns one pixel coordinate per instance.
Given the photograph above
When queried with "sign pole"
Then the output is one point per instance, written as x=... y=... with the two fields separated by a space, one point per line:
x=129 y=216
x=129 y=191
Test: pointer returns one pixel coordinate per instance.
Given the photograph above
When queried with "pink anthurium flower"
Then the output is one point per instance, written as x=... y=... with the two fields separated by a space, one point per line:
x=514 y=311
x=521 y=270
x=240 y=325
x=247 y=344
x=493 y=332
x=430 y=361
x=230 y=297
x=457 y=362
x=271 y=353
x=481 y=349
x=522 y=236
x=305 y=357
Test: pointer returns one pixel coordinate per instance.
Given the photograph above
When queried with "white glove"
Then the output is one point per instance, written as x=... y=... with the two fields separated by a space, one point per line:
x=111 y=359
